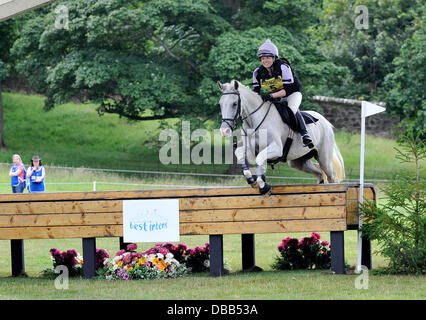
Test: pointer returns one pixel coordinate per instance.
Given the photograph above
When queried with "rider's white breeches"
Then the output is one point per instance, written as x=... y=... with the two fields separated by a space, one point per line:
x=294 y=100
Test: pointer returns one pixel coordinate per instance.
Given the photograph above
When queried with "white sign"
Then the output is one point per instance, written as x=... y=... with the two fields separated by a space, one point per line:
x=154 y=220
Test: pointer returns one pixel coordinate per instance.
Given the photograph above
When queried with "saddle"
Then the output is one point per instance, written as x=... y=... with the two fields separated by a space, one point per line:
x=288 y=117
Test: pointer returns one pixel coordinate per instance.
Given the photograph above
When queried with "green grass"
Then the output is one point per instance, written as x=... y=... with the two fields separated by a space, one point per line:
x=268 y=284
x=75 y=135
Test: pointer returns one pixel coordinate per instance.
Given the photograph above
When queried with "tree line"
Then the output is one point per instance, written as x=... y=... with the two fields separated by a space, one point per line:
x=157 y=59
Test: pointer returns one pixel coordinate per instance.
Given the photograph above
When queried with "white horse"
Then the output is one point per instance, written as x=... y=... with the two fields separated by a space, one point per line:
x=264 y=134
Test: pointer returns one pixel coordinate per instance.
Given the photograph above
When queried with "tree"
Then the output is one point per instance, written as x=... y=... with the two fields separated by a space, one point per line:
x=366 y=36
x=399 y=225
x=7 y=36
x=138 y=59
x=234 y=57
x=407 y=84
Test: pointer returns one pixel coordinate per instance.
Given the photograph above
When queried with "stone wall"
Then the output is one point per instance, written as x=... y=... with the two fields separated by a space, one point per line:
x=346 y=114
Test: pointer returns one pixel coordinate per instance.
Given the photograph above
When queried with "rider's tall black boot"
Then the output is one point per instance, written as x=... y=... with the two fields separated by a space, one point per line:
x=307 y=141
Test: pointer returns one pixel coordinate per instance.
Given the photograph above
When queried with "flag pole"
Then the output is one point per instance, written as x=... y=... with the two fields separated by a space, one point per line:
x=367 y=109
x=361 y=187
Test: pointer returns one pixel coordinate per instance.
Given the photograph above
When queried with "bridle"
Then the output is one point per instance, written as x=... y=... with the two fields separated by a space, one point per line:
x=238 y=113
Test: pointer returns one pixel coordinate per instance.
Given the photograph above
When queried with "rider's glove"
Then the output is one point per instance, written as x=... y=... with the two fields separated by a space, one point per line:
x=266 y=97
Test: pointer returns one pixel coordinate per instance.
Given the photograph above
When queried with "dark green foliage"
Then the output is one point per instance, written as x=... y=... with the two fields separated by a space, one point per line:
x=159 y=59
x=399 y=225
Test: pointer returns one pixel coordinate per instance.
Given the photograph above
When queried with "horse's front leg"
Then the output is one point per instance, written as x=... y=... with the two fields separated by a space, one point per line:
x=270 y=152
x=240 y=154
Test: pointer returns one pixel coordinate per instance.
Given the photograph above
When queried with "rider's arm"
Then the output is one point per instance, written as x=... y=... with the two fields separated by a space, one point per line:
x=256 y=85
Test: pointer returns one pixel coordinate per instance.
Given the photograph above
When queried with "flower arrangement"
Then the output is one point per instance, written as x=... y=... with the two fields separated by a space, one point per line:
x=70 y=258
x=129 y=264
x=308 y=253
x=197 y=258
x=73 y=261
x=161 y=261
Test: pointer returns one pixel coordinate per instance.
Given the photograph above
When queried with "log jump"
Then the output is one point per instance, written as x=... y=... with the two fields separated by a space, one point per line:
x=202 y=211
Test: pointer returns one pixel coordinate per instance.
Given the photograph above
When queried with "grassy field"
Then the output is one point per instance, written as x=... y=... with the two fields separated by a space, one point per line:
x=268 y=284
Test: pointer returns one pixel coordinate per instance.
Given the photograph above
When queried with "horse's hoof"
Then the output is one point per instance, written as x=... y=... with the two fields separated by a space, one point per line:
x=251 y=180
x=266 y=189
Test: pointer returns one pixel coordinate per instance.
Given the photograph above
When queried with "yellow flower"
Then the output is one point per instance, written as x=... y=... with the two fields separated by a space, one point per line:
x=120 y=263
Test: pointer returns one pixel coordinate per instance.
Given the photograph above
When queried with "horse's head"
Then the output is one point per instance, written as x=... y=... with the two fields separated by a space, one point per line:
x=230 y=107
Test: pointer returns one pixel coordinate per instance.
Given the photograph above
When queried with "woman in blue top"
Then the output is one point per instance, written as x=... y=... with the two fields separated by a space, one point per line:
x=17 y=174
x=36 y=174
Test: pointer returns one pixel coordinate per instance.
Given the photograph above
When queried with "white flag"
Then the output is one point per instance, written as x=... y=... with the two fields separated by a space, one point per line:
x=368 y=109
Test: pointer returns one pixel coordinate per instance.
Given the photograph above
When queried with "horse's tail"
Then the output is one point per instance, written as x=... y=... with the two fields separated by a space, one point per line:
x=338 y=164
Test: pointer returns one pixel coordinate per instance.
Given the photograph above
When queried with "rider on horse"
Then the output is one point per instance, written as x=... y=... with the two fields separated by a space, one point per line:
x=277 y=78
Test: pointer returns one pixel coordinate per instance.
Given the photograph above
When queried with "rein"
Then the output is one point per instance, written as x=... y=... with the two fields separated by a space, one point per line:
x=238 y=113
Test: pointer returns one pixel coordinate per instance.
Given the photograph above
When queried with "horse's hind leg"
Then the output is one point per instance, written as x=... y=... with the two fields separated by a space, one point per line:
x=307 y=166
x=325 y=163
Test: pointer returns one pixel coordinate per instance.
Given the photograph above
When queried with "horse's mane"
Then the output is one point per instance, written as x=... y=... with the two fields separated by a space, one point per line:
x=242 y=87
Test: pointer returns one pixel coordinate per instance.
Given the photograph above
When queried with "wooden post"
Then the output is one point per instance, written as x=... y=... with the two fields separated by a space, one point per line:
x=248 y=251
x=337 y=252
x=216 y=255
x=123 y=245
x=89 y=257
x=366 y=253
x=17 y=255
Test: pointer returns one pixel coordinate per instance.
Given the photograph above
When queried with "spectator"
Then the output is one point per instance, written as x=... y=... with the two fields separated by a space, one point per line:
x=17 y=174
x=36 y=174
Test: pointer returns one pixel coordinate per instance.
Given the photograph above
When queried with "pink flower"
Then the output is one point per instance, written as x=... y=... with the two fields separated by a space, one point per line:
x=163 y=251
x=55 y=252
x=325 y=243
x=285 y=241
x=182 y=246
x=119 y=253
x=127 y=259
x=131 y=247
x=316 y=235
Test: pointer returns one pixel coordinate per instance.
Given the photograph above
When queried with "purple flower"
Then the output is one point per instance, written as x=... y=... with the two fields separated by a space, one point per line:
x=131 y=247
x=325 y=243
x=126 y=276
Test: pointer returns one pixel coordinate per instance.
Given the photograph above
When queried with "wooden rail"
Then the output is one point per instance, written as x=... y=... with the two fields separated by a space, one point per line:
x=202 y=211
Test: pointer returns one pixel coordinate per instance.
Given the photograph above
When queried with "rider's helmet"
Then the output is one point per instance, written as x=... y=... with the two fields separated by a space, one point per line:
x=268 y=49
